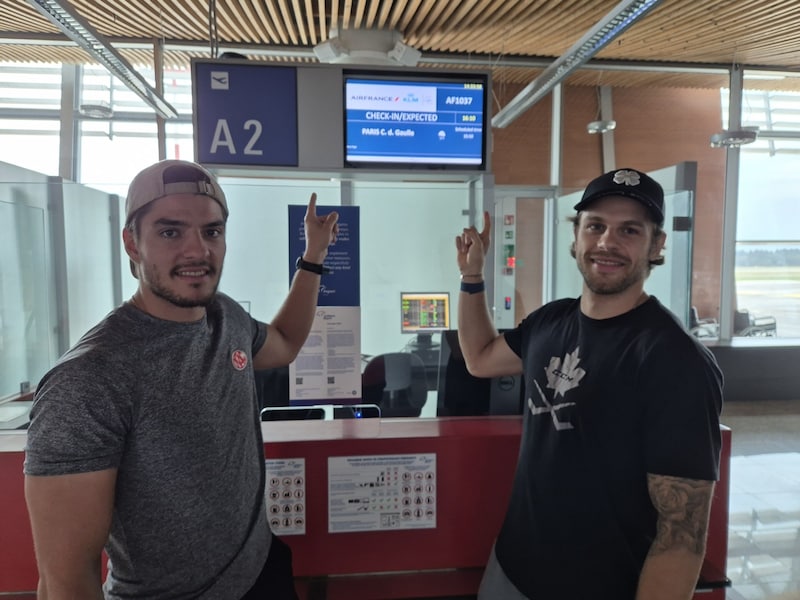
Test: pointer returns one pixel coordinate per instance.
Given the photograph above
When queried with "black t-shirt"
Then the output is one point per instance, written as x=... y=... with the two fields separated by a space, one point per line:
x=608 y=401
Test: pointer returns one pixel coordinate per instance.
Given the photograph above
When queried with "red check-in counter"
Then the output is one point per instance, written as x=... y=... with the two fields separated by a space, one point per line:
x=474 y=464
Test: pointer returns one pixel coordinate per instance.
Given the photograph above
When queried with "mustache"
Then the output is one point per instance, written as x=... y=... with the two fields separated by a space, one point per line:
x=195 y=266
x=607 y=256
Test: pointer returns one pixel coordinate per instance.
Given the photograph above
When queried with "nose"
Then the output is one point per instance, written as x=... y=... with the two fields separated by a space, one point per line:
x=607 y=240
x=195 y=245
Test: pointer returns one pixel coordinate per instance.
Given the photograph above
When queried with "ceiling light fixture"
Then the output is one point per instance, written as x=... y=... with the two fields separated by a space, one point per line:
x=96 y=110
x=367 y=46
x=734 y=139
x=601 y=126
x=330 y=51
x=763 y=76
x=621 y=17
x=64 y=16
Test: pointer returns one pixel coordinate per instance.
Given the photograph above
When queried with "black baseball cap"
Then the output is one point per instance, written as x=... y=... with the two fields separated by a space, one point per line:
x=631 y=184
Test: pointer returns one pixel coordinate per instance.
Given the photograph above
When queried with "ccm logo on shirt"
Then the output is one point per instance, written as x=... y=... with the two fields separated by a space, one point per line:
x=239 y=359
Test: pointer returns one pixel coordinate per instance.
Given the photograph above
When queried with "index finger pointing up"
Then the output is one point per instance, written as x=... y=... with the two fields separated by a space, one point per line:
x=312 y=205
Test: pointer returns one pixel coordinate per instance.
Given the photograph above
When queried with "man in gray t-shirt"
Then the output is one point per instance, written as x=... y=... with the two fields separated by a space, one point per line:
x=145 y=438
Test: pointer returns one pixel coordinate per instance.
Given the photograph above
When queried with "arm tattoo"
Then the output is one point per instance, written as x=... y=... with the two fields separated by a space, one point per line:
x=683 y=507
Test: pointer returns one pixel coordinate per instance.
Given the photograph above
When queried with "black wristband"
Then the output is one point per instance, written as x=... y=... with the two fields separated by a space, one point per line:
x=309 y=266
x=473 y=288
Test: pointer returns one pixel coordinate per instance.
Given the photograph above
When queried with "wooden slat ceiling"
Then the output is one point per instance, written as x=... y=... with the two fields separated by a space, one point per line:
x=496 y=33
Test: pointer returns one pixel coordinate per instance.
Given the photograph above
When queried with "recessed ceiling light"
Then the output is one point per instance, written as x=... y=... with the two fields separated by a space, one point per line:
x=734 y=139
x=601 y=126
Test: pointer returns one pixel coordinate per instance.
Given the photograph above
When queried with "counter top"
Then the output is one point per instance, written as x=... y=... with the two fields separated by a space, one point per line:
x=318 y=430
x=14 y=414
x=412 y=427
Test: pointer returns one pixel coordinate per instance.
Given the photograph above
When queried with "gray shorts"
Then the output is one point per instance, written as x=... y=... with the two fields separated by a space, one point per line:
x=495 y=585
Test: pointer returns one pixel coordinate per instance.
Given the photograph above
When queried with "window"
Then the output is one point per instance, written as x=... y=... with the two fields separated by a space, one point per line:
x=768 y=220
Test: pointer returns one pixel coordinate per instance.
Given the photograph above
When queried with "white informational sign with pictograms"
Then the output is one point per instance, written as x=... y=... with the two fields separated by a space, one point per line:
x=286 y=495
x=381 y=493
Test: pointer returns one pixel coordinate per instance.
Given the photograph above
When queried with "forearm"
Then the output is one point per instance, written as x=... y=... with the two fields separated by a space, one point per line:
x=86 y=587
x=484 y=354
x=294 y=319
x=676 y=555
x=475 y=327
x=669 y=575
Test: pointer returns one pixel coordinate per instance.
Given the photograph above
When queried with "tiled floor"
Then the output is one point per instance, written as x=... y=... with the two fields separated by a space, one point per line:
x=764 y=533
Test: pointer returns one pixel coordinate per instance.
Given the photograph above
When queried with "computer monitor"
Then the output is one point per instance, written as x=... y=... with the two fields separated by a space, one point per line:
x=424 y=313
x=462 y=394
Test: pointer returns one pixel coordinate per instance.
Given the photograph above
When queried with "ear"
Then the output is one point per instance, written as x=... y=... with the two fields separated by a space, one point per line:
x=657 y=247
x=129 y=242
x=572 y=252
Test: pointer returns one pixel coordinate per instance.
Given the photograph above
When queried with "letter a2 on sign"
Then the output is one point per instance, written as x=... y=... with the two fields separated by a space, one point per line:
x=244 y=114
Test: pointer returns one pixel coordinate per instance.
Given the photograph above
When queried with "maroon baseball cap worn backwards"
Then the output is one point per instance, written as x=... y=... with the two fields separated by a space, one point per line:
x=168 y=177
x=631 y=184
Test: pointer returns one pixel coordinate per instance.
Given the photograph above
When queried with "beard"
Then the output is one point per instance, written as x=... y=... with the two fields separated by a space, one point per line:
x=160 y=289
x=607 y=286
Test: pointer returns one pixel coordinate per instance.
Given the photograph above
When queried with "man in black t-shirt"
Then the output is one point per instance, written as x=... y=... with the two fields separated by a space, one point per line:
x=621 y=442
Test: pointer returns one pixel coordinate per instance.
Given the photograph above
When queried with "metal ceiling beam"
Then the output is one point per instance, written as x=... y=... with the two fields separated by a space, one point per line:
x=64 y=16
x=620 y=18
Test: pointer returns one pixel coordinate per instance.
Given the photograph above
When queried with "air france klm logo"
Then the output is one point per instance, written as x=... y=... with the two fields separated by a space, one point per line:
x=562 y=376
x=373 y=98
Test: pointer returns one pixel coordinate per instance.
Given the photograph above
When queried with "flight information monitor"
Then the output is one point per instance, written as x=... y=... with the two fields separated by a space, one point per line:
x=416 y=120
x=424 y=313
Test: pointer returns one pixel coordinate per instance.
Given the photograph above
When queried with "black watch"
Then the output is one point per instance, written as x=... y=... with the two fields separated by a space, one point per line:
x=309 y=266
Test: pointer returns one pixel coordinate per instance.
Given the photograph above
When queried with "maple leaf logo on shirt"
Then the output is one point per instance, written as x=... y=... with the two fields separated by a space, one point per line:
x=562 y=377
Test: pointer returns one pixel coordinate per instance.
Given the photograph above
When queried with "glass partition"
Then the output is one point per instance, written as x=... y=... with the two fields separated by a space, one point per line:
x=407 y=232
x=91 y=231
x=27 y=346
x=257 y=262
x=408 y=235
x=48 y=299
x=59 y=275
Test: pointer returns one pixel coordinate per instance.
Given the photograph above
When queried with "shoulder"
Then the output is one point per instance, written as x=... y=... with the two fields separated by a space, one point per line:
x=115 y=337
x=668 y=337
x=550 y=317
x=223 y=306
x=225 y=311
x=229 y=314
x=102 y=366
x=227 y=303
x=557 y=309
x=674 y=363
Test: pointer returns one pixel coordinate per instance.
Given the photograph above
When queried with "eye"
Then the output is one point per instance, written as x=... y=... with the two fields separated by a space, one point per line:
x=632 y=231
x=168 y=233
x=214 y=233
x=595 y=227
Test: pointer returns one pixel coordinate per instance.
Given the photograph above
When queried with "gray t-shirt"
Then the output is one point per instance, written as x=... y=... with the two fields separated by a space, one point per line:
x=172 y=406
